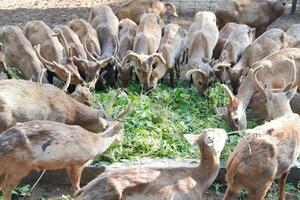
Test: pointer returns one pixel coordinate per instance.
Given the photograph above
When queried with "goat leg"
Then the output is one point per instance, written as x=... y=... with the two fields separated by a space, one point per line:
x=74 y=173
x=282 y=182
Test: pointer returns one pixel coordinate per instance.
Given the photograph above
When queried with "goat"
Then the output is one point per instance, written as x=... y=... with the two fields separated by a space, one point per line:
x=270 y=42
x=274 y=70
x=236 y=43
x=294 y=33
x=50 y=103
x=172 y=44
x=255 y=13
x=48 y=145
x=146 y=44
x=19 y=53
x=161 y=183
x=134 y=9
x=223 y=35
x=126 y=39
x=3 y=66
x=104 y=21
x=202 y=38
x=267 y=151
x=87 y=35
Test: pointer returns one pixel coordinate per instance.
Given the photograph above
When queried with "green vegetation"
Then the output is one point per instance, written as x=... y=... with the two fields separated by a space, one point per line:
x=13 y=72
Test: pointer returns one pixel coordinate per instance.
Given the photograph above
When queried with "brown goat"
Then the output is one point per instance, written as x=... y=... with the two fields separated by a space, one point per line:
x=275 y=69
x=19 y=53
x=87 y=35
x=146 y=44
x=50 y=103
x=134 y=9
x=233 y=49
x=126 y=39
x=48 y=145
x=104 y=21
x=268 y=151
x=270 y=42
x=3 y=66
x=202 y=38
x=148 y=183
x=172 y=44
x=255 y=13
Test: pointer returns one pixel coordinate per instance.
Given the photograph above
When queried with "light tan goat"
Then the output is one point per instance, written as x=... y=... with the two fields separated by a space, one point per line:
x=202 y=38
x=171 y=46
x=126 y=39
x=268 y=151
x=235 y=45
x=50 y=103
x=19 y=53
x=48 y=145
x=276 y=68
x=255 y=13
x=134 y=9
x=148 y=183
x=270 y=42
x=87 y=35
x=146 y=44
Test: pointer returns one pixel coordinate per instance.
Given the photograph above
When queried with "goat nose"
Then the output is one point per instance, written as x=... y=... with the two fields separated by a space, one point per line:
x=283 y=3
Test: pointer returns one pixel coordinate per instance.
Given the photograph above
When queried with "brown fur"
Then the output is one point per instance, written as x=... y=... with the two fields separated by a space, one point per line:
x=255 y=13
x=3 y=66
x=149 y=183
x=134 y=9
x=19 y=53
x=48 y=145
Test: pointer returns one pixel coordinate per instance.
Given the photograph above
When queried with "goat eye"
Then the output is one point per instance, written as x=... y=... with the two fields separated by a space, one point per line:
x=200 y=82
x=139 y=70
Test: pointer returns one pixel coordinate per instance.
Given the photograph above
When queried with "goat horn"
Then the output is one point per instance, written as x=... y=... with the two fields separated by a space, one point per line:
x=229 y=93
x=132 y=56
x=90 y=56
x=125 y=111
x=117 y=47
x=190 y=72
x=66 y=46
x=293 y=81
x=159 y=57
x=173 y=8
x=40 y=76
x=222 y=64
x=259 y=84
x=65 y=88
x=37 y=49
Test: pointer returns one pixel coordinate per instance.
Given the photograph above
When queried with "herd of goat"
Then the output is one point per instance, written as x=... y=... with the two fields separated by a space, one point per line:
x=44 y=128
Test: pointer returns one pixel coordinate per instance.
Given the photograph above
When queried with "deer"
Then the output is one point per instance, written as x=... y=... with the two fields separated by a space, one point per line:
x=235 y=45
x=254 y=13
x=104 y=21
x=171 y=46
x=48 y=145
x=223 y=35
x=269 y=42
x=50 y=103
x=16 y=51
x=145 y=182
x=88 y=37
x=134 y=9
x=126 y=39
x=267 y=151
x=202 y=38
x=145 y=46
x=275 y=69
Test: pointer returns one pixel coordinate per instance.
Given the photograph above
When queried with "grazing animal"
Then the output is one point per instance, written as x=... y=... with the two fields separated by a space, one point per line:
x=3 y=66
x=50 y=103
x=134 y=9
x=48 y=145
x=235 y=45
x=255 y=13
x=104 y=21
x=189 y=183
x=146 y=44
x=270 y=42
x=171 y=46
x=276 y=67
x=126 y=39
x=202 y=38
x=268 y=151
x=19 y=53
x=88 y=37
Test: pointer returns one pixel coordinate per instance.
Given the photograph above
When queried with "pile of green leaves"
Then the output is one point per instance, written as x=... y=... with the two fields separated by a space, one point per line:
x=159 y=118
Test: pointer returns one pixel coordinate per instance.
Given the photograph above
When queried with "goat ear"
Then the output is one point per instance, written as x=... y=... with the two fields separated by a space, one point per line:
x=191 y=138
x=290 y=94
x=209 y=141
